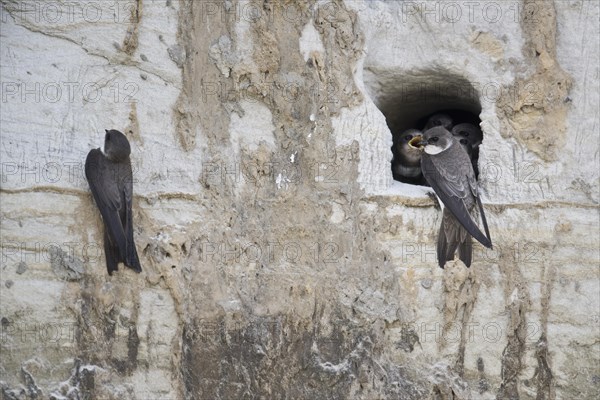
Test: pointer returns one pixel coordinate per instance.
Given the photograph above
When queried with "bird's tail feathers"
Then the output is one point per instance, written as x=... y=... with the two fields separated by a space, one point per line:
x=448 y=239
x=133 y=260
x=442 y=248
x=452 y=237
x=465 y=250
x=111 y=252
x=115 y=230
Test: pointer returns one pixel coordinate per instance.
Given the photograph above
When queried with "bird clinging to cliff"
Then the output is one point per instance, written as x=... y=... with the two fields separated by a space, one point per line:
x=449 y=172
x=108 y=172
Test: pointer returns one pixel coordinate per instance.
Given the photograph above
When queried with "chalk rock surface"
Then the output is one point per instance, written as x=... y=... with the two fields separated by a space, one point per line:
x=280 y=259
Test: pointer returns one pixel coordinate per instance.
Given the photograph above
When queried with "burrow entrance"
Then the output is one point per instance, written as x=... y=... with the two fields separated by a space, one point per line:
x=409 y=102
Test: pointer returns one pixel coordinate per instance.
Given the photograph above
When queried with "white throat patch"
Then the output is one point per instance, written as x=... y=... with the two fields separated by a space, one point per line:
x=435 y=149
x=102 y=149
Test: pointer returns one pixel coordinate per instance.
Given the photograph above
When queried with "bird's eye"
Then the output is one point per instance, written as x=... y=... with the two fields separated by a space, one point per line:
x=464 y=141
x=464 y=133
x=408 y=137
x=433 y=139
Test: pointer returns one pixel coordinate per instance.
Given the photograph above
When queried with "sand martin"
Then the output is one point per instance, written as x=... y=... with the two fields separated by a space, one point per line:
x=448 y=170
x=406 y=163
x=108 y=172
x=470 y=132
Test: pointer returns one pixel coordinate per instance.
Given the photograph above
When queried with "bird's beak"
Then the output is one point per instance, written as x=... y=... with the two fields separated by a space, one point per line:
x=417 y=142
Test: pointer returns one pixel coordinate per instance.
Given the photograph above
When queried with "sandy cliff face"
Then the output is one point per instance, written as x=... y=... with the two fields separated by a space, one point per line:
x=280 y=258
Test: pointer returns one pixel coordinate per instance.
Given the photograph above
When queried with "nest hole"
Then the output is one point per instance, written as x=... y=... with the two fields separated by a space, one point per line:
x=410 y=100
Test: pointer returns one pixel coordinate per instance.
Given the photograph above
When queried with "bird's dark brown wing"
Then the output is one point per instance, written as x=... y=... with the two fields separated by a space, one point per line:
x=103 y=181
x=111 y=252
x=455 y=185
x=131 y=259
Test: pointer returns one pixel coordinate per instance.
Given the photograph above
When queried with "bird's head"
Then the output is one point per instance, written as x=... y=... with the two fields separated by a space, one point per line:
x=439 y=119
x=403 y=147
x=434 y=140
x=468 y=131
x=403 y=140
x=116 y=146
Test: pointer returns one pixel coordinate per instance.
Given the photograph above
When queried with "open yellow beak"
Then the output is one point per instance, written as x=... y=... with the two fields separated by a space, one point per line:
x=415 y=142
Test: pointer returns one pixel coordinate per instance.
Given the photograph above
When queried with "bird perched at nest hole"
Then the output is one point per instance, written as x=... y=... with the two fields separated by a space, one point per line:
x=448 y=170
x=108 y=172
